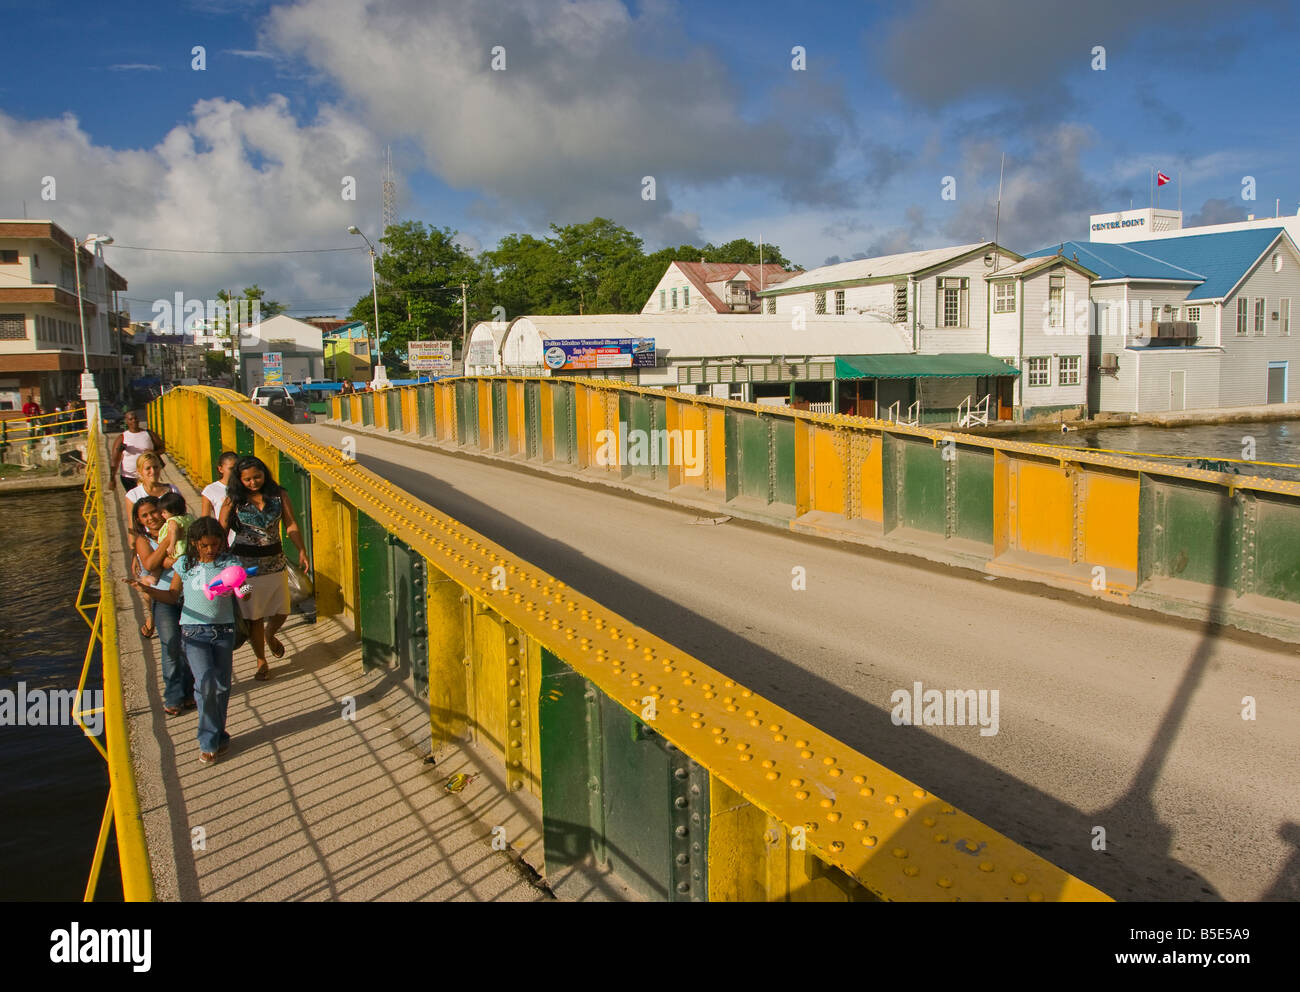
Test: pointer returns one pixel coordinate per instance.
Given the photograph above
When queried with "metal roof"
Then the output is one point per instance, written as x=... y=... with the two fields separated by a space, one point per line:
x=881 y=266
x=919 y=366
x=679 y=336
x=1217 y=262
x=1028 y=265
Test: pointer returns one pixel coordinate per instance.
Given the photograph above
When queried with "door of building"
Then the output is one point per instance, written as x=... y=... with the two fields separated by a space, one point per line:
x=1277 y=382
x=1178 y=390
x=1006 y=390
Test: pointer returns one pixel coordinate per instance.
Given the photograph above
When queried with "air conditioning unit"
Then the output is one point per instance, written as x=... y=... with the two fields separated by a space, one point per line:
x=1109 y=362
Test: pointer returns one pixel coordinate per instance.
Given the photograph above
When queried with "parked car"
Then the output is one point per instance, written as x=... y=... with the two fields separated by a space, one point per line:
x=263 y=395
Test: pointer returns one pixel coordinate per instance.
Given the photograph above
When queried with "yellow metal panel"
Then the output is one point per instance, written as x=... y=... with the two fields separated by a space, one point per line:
x=716 y=443
x=1044 y=509
x=738 y=850
x=228 y=436
x=355 y=400
x=488 y=660
x=1004 y=495
x=691 y=417
x=673 y=422
x=484 y=414
x=350 y=575
x=269 y=453
x=582 y=422
x=327 y=554
x=410 y=409
x=871 y=475
x=828 y=468
x=448 y=672
x=803 y=467
x=515 y=418
x=381 y=409
x=534 y=717
x=1110 y=519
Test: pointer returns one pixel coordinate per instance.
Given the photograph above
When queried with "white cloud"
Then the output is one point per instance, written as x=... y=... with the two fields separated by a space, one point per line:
x=230 y=177
x=134 y=67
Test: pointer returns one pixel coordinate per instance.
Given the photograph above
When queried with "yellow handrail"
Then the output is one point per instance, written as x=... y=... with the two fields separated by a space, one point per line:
x=122 y=807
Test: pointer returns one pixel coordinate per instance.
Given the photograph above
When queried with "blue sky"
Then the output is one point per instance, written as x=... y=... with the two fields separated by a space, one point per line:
x=845 y=157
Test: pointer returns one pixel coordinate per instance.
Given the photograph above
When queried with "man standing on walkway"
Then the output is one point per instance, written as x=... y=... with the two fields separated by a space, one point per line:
x=129 y=446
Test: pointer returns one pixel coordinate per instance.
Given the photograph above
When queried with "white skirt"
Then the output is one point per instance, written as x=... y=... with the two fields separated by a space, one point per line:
x=268 y=597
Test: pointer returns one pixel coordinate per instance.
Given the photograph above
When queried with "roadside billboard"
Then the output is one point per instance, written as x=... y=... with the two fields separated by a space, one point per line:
x=565 y=354
x=272 y=369
x=433 y=357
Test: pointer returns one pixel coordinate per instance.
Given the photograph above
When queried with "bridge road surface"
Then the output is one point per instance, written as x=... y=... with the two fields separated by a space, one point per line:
x=1108 y=716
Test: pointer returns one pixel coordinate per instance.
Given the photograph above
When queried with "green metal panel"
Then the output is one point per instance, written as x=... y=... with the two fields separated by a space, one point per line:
x=243 y=438
x=297 y=483
x=636 y=780
x=375 y=609
x=393 y=397
x=783 y=453
x=925 y=501
x=566 y=437
x=214 y=434
x=753 y=457
x=532 y=419
x=569 y=720
x=499 y=421
x=1186 y=531
x=410 y=615
x=635 y=411
x=974 y=471
x=731 y=451
x=1277 y=544
x=368 y=409
x=467 y=413
x=345 y=409
x=424 y=405
x=891 y=481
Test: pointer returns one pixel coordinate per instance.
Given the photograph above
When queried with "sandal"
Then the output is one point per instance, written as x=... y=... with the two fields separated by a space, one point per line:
x=263 y=672
x=207 y=758
x=172 y=710
x=277 y=648
x=146 y=630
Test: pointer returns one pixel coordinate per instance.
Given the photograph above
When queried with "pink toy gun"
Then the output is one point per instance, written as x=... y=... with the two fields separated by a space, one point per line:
x=230 y=579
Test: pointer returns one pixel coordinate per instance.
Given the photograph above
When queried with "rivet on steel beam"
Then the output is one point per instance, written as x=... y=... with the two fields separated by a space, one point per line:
x=795 y=783
x=986 y=866
x=866 y=790
x=805 y=754
x=696 y=724
x=801 y=794
x=778 y=737
x=900 y=852
x=859 y=779
x=1019 y=877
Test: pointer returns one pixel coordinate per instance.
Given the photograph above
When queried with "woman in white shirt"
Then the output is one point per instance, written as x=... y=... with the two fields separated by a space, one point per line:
x=130 y=445
x=148 y=468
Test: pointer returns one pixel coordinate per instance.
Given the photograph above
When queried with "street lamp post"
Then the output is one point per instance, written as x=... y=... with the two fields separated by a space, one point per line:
x=379 y=378
x=89 y=391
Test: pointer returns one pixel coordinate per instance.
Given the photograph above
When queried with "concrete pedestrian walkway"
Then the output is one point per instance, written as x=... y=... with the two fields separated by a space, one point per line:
x=308 y=804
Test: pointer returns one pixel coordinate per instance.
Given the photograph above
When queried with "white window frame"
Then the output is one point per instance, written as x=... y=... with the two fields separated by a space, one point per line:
x=686 y=296
x=663 y=299
x=1055 y=301
x=674 y=297
x=1004 y=296
x=839 y=303
x=1284 y=316
x=1260 y=309
x=1031 y=371
x=819 y=302
x=900 y=303
x=952 y=284
x=1243 y=315
x=771 y=304
x=1194 y=314
x=1068 y=374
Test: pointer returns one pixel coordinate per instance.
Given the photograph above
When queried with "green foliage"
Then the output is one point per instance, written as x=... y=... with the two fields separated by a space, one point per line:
x=218 y=364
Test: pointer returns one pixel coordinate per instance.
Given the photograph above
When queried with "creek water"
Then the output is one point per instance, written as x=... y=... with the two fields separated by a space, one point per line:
x=53 y=782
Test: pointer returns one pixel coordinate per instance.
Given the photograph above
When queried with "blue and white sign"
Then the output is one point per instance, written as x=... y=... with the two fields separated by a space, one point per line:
x=565 y=354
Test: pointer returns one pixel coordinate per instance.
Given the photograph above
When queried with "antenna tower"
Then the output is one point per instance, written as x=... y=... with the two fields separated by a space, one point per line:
x=390 y=195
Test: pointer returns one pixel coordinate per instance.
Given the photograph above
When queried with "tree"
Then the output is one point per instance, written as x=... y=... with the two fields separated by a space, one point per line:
x=744 y=251
x=419 y=281
x=218 y=364
x=592 y=253
x=529 y=275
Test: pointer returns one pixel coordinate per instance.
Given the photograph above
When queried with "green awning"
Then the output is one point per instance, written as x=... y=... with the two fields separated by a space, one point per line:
x=919 y=366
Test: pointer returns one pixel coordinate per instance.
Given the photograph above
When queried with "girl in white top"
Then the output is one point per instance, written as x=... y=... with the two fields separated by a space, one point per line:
x=134 y=442
x=214 y=493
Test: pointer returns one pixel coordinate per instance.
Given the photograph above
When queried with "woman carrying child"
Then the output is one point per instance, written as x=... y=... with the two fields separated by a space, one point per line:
x=254 y=508
x=207 y=629
x=153 y=567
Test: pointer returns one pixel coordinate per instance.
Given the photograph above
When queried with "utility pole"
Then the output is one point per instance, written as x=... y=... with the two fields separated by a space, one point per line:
x=464 y=314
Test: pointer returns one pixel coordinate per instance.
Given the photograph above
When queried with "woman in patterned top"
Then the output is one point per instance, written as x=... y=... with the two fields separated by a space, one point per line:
x=254 y=509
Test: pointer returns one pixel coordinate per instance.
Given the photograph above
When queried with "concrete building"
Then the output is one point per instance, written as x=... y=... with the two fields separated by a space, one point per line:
x=1155 y=224
x=713 y=287
x=300 y=345
x=40 y=333
x=1192 y=321
x=346 y=351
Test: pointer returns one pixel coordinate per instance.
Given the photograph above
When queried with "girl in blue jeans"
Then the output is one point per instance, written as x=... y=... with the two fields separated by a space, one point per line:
x=207 y=629
x=153 y=569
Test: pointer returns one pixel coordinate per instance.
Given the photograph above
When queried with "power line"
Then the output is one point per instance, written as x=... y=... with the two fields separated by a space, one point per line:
x=240 y=251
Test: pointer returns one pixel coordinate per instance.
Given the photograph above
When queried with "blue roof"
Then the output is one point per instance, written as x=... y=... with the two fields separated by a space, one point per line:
x=1216 y=261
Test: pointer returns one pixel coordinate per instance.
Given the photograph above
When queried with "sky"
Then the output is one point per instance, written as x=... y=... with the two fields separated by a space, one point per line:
x=832 y=129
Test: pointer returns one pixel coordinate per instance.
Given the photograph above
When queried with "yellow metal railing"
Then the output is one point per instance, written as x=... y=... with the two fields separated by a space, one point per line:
x=58 y=424
x=122 y=809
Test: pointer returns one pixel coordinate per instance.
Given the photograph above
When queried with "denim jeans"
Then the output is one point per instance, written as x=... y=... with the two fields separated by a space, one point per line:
x=178 y=680
x=210 y=649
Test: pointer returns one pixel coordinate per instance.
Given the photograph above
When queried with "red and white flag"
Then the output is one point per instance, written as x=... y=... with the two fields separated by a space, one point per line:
x=1161 y=179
